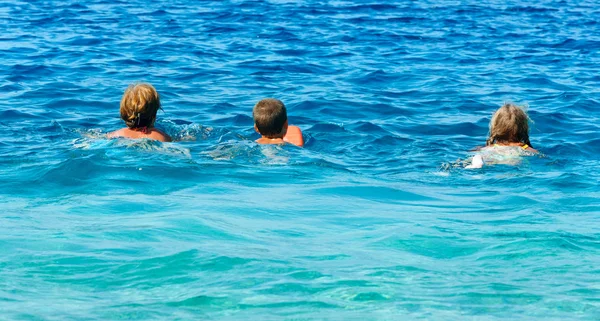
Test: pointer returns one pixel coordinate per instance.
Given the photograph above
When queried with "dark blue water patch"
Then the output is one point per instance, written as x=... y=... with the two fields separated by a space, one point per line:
x=68 y=104
x=309 y=69
x=367 y=128
x=21 y=72
x=571 y=150
x=77 y=6
x=82 y=41
x=378 y=76
x=572 y=44
x=367 y=7
x=389 y=140
x=84 y=122
x=237 y=120
x=129 y=62
x=280 y=35
x=393 y=94
x=292 y=52
x=309 y=106
x=11 y=88
x=52 y=127
x=529 y=9
x=465 y=128
x=407 y=19
x=591 y=147
x=16 y=115
x=262 y=65
x=549 y=122
x=218 y=109
x=22 y=50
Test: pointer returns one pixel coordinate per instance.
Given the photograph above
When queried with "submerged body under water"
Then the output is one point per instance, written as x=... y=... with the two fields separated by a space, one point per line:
x=361 y=224
x=493 y=155
x=505 y=155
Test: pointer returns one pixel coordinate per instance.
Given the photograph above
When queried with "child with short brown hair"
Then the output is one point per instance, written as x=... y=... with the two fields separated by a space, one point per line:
x=138 y=109
x=271 y=122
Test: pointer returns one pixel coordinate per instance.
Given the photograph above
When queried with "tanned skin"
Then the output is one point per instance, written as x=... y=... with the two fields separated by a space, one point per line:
x=289 y=134
x=150 y=133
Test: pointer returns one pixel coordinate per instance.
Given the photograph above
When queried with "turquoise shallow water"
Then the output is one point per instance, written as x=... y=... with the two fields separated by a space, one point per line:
x=364 y=223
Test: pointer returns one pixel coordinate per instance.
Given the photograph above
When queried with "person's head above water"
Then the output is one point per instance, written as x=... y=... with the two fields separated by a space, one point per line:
x=270 y=118
x=139 y=106
x=509 y=125
x=271 y=122
x=138 y=109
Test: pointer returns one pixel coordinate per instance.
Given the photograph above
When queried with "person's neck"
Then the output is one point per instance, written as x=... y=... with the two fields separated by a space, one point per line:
x=270 y=140
x=509 y=143
x=134 y=128
x=142 y=130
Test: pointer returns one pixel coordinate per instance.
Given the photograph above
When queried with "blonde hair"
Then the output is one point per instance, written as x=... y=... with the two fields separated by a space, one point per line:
x=509 y=124
x=139 y=106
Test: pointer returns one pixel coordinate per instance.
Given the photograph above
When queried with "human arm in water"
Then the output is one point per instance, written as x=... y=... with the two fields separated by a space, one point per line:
x=294 y=136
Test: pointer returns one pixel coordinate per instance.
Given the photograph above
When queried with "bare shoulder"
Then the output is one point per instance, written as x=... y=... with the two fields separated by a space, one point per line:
x=294 y=136
x=533 y=150
x=117 y=133
x=159 y=135
x=294 y=130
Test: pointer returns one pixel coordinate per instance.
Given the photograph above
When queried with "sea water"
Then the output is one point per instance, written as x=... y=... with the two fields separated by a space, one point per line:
x=363 y=223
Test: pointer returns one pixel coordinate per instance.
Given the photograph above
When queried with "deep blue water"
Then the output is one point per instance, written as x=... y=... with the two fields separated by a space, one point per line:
x=361 y=224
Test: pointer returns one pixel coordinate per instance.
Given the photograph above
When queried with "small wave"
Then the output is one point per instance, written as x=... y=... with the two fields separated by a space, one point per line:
x=363 y=7
x=248 y=151
x=328 y=128
x=377 y=76
x=95 y=139
x=185 y=131
x=529 y=9
x=577 y=44
x=368 y=128
x=83 y=41
x=17 y=115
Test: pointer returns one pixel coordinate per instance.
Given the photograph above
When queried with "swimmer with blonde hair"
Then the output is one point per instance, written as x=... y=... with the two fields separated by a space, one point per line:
x=139 y=106
x=508 y=138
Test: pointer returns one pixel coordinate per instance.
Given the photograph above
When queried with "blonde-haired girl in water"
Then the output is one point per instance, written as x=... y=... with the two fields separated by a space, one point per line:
x=508 y=138
x=139 y=106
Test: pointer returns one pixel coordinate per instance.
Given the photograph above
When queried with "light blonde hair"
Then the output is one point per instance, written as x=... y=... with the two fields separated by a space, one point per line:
x=509 y=124
x=139 y=106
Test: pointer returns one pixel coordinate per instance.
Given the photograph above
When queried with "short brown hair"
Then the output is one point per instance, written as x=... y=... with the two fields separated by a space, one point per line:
x=269 y=116
x=509 y=125
x=139 y=105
